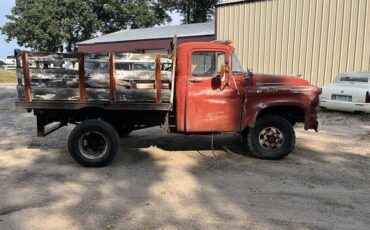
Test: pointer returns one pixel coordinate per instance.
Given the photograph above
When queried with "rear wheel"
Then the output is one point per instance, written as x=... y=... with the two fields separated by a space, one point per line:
x=93 y=143
x=272 y=138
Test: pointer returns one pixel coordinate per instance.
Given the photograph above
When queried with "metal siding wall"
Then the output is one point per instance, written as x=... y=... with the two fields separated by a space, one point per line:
x=316 y=38
x=366 y=47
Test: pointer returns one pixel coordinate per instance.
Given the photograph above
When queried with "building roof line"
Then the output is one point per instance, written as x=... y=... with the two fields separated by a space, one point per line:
x=155 y=33
x=144 y=40
x=237 y=2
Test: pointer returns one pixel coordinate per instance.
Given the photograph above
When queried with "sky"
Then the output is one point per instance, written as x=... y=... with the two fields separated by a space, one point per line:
x=7 y=49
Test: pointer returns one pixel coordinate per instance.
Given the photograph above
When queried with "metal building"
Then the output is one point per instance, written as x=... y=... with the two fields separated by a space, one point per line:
x=316 y=38
x=149 y=40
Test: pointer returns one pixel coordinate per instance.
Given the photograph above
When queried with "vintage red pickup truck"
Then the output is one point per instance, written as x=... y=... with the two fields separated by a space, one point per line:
x=200 y=89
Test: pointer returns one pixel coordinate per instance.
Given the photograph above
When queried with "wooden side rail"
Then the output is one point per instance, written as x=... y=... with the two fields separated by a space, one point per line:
x=27 y=79
x=158 y=80
x=82 y=83
x=85 y=77
x=173 y=74
x=112 y=78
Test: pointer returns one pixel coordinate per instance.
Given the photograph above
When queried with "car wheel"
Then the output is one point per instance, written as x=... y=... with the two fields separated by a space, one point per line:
x=272 y=138
x=93 y=143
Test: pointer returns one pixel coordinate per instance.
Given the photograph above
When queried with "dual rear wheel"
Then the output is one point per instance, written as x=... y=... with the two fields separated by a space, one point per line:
x=93 y=143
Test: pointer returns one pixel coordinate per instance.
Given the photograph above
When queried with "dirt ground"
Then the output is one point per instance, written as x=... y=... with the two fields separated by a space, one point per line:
x=161 y=181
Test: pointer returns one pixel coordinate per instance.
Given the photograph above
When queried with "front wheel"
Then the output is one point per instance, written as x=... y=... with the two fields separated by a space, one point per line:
x=272 y=138
x=93 y=143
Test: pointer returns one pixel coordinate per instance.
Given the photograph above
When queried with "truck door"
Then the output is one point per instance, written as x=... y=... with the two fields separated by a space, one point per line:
x=212 y=105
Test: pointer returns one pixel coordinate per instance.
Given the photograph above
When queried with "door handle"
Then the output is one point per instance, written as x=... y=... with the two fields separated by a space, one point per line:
x=195 y=81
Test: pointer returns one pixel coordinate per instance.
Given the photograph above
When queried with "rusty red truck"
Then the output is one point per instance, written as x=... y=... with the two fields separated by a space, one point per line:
x=201 y=88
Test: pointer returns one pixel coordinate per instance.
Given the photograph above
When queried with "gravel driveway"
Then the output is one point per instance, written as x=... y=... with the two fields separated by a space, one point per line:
x=174 y=181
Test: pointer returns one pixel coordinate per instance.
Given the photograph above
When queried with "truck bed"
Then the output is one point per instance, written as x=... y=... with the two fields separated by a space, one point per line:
x=120 y=81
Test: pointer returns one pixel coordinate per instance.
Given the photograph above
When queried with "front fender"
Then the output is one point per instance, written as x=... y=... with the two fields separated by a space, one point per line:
x=256 y=110
x=280 y=106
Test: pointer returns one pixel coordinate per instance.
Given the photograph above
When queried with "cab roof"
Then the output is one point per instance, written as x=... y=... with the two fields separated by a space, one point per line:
x=205 y=45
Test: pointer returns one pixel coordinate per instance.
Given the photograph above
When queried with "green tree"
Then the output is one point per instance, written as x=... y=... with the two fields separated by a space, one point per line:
x=36 y=24
x=57 y=25
x=192 y=11
x=80 y=23
x=50 y=25
x=123 y=14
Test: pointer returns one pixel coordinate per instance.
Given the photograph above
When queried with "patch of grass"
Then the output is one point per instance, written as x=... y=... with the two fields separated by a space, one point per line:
x=8 y=76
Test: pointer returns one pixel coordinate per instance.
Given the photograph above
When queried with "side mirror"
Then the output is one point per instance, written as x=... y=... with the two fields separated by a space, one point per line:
x=249 y=74
x=250 y=71
x=224 y=74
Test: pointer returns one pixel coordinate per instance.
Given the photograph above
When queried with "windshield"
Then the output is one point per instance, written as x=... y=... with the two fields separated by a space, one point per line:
x=354 y=79
x=236 y=67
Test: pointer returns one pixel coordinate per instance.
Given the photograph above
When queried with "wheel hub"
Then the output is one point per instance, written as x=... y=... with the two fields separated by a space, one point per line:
x=271 y=138
x=93 y=145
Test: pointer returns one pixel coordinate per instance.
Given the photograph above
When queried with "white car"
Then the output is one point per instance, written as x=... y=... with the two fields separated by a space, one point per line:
x=350 y=92
x=6 y=66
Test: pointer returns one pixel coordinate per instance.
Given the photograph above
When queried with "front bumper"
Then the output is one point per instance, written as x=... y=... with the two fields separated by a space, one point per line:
x=311 y=119
x=345 y=106
x=317 y=126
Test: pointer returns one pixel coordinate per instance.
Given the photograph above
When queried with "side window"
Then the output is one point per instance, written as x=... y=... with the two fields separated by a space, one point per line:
x=207 y=64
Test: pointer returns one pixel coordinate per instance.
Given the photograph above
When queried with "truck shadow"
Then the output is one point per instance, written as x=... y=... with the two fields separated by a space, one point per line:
x=155 y=137
x=272 y=193
x=52 y=190
x=144 y=188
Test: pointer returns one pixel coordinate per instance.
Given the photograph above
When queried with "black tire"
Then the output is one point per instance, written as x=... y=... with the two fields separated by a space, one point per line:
x=272 y=138
x=93 y=143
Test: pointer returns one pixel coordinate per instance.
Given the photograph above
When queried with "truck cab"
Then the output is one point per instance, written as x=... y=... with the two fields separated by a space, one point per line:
x=215 y=94
x=205 y=100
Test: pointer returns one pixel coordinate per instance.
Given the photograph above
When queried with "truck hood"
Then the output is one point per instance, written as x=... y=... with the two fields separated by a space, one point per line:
x=278 y=80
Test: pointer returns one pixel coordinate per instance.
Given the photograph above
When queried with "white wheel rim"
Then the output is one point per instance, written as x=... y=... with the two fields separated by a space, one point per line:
x=93 y=145
x=271 y=138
